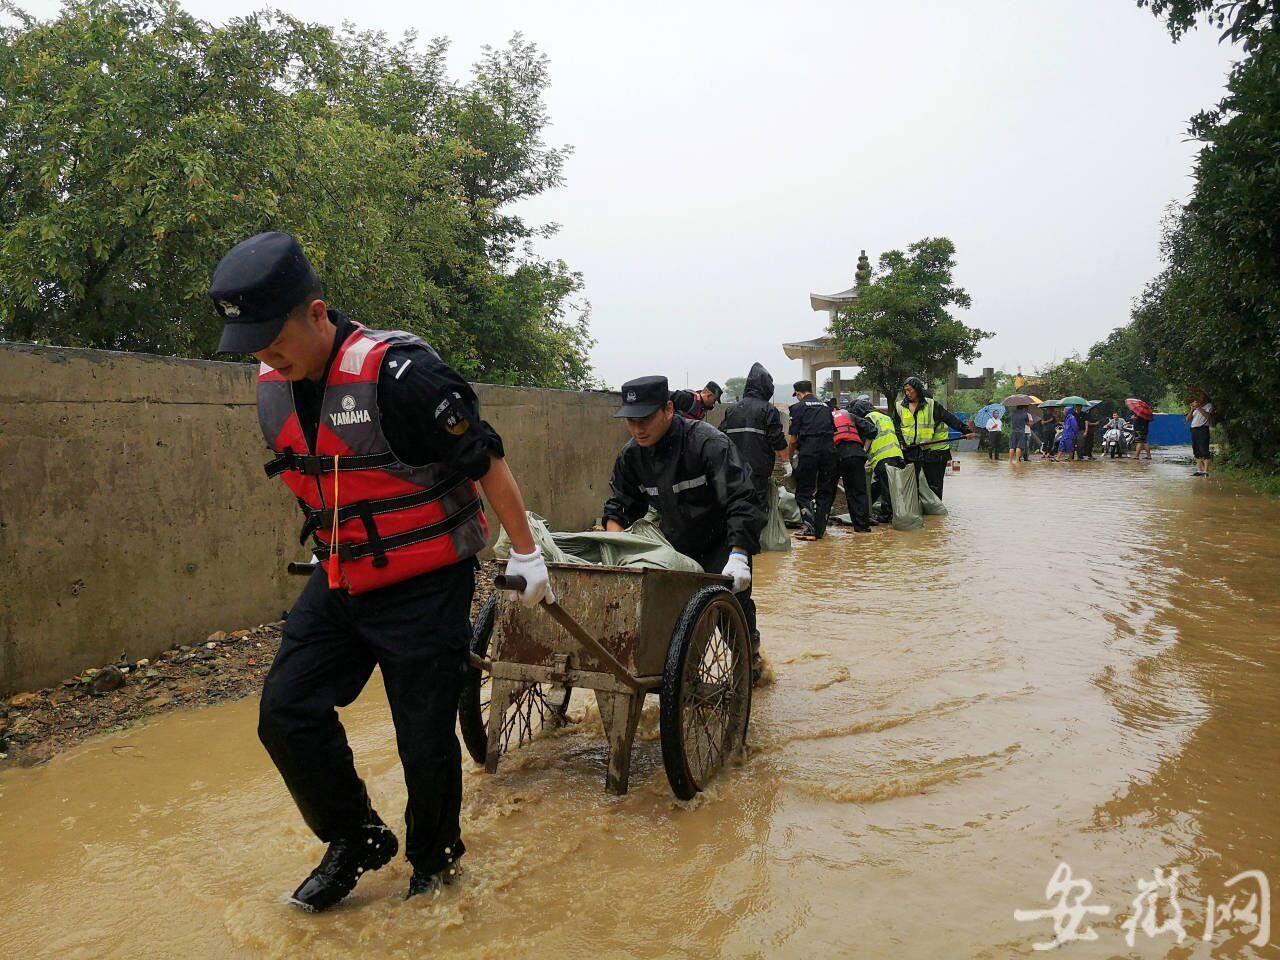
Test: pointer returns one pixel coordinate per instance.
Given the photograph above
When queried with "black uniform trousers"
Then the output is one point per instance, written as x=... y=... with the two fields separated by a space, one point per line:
x=816 y=487
x=881 y=504
x=852 y=468
x=713 y=561
x=418 y=632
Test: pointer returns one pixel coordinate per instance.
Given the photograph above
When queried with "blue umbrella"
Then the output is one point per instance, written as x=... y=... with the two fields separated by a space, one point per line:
x=983 y=416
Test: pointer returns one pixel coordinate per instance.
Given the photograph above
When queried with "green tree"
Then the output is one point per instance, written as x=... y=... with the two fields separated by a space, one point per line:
x=138 y=143
x=734 y=387
x=1211 y=318
x=902 y=322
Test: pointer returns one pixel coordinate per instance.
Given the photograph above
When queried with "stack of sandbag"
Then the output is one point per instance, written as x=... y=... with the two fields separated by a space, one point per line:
x=774 y=536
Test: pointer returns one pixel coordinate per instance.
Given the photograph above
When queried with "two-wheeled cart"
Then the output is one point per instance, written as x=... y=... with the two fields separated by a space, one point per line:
x=623 y=632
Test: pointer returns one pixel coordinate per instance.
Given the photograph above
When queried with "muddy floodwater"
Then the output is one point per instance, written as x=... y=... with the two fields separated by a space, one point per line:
x=1081 y=665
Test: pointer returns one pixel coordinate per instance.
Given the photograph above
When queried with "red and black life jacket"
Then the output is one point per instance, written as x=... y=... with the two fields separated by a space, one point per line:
x=846 y=432
x=394 y=521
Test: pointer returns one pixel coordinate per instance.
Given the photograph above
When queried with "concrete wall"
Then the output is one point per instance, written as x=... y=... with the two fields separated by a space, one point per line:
x=134 y=513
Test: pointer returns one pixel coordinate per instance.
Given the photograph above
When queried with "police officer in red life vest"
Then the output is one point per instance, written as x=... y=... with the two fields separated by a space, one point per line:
x=853 y=434
x=696 y=404
x=383 y=447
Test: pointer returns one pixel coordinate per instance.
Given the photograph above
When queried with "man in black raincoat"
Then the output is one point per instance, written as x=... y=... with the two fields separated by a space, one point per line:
x=755 y=427
x=692 y=473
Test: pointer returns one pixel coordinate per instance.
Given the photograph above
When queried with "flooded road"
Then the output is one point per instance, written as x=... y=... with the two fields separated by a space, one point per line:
x=1080 y=665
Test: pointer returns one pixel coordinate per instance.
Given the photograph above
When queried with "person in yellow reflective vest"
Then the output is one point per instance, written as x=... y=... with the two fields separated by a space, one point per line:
x=924 y=423
x=883 y=451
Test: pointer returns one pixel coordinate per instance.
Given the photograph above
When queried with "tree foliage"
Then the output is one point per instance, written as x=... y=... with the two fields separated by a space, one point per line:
x=1211 y=318
x=138 y=143
x=902 y=323
x=1241 y=21
x=1114 y=369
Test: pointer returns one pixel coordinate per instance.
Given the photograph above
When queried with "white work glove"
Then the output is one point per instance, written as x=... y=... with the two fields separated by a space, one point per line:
x=787 y=469
x=533 y=568
x=738 y=567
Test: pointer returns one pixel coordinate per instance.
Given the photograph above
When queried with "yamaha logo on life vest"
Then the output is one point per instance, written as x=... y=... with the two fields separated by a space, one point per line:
x=349 y=414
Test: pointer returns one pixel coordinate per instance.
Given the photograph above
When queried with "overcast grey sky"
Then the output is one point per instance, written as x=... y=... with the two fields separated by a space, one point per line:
x=732 y=157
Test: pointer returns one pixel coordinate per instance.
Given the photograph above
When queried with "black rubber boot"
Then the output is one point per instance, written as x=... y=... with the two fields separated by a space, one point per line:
x=346 y=860
x=421 y=883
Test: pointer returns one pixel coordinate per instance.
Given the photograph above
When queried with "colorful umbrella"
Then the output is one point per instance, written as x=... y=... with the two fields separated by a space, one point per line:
x=983 y=416
x=1019 y=400
x=1140 y=408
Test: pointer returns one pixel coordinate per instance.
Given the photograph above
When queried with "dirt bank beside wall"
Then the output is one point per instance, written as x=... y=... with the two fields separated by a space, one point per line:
x=136 y=516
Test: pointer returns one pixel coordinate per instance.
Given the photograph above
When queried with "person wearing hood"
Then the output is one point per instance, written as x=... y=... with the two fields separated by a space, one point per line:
x=698 y=481
x=755 y=427
x=1070 y=429
x=924 y=428
x=854 y=433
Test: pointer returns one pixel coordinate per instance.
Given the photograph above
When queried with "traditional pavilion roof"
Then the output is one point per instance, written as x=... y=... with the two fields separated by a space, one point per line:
x=833 y=301
x=795 y=351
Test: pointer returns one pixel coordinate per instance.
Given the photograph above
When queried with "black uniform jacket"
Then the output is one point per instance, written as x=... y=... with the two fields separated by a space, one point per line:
x=698 y=482
x=755 y=426
x=811 y=423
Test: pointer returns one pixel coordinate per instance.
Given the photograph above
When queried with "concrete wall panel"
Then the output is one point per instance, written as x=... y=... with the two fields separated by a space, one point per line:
x=134 y=513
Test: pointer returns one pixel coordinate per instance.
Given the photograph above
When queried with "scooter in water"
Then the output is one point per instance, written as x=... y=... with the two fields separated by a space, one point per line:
x=1118 y=441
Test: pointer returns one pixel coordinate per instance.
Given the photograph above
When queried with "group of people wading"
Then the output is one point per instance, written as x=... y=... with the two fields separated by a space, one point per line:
x=834 y=445
x=382 y=445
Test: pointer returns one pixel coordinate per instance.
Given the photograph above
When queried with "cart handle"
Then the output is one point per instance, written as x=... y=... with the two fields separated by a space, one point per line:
x=575 y=630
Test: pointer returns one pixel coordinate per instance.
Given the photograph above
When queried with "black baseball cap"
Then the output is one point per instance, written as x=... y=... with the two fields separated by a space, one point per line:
x=642 y=396
x=714 y=388
x=256 y=285
x=802 y=386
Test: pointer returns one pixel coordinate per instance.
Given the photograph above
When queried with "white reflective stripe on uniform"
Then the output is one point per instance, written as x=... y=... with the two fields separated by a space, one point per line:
x=403 y=367
x=651 y=491
x=688 y=484
x=745 y=430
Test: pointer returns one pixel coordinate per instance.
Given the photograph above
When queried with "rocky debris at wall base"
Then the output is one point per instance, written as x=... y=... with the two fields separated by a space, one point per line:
x=226 y=665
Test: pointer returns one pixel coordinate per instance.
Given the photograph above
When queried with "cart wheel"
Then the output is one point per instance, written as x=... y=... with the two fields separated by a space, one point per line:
x=531 y=709
x=706 y=690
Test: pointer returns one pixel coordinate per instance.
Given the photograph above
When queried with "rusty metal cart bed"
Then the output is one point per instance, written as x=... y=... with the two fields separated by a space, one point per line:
x=623 y=632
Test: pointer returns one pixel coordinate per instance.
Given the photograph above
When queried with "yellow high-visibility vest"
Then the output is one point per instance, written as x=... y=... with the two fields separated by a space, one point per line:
x=885 y=445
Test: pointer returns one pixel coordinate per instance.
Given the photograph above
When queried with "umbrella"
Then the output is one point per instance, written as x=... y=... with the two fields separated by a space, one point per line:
x=983 y=416
x=1073 y=401
x=1051 y=403
x=1140 y=408
x=1019 y=400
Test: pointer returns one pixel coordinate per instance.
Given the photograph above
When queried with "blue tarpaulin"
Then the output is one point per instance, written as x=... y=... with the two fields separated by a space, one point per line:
x=1169 y=430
